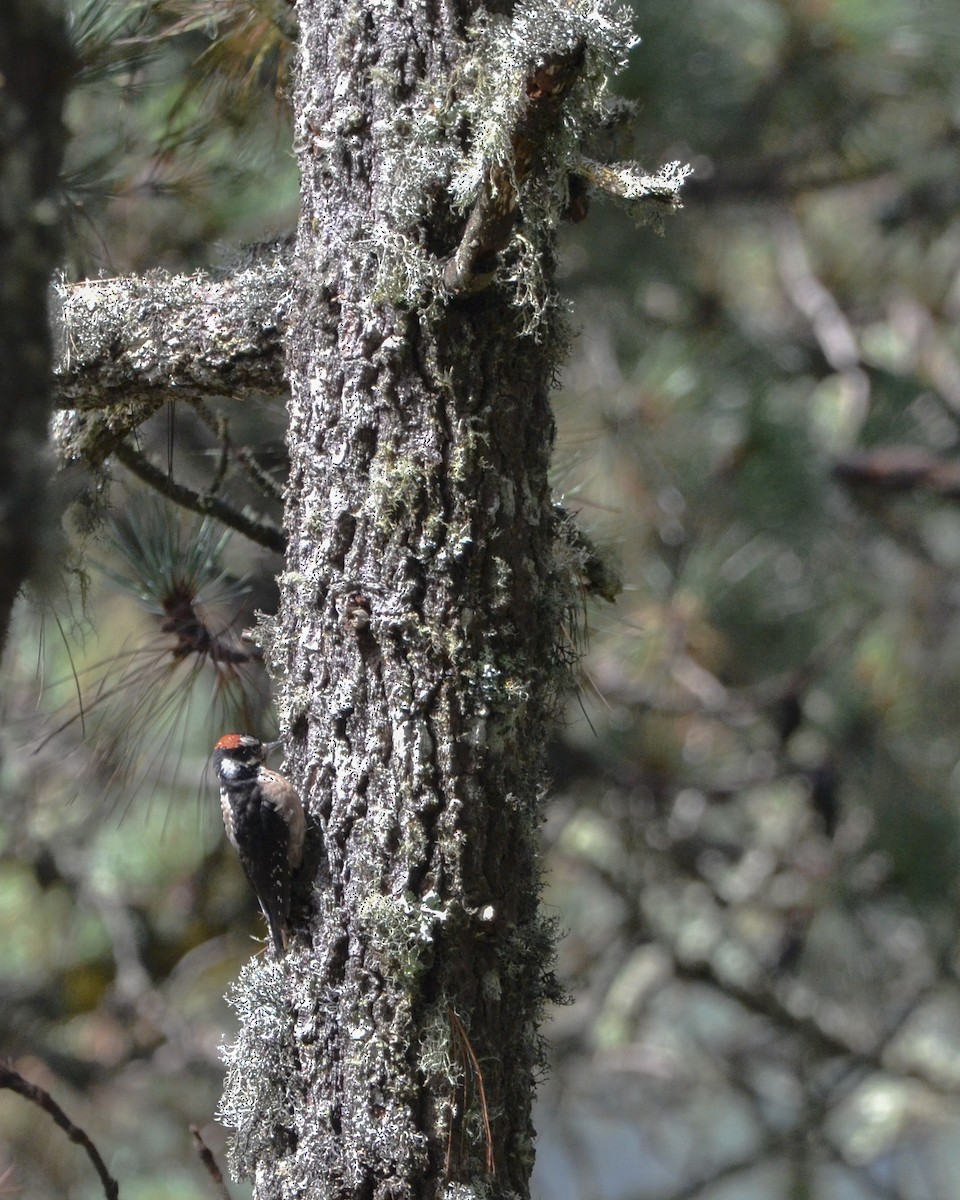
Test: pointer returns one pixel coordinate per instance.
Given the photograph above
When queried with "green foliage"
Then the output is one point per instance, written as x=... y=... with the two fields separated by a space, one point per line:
x=180 y=134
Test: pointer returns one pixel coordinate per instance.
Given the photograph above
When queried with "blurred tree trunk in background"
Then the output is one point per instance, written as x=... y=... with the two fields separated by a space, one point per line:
x=35 y=68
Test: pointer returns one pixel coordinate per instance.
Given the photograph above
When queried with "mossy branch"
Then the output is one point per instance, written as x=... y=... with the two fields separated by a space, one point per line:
x=147 y=339
x=494 y=212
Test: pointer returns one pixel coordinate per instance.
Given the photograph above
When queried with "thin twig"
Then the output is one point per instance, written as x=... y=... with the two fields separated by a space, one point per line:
x=224 y=462
x=209 y=1162
x=42 y=1099
x=261 y=478
x=257 y=531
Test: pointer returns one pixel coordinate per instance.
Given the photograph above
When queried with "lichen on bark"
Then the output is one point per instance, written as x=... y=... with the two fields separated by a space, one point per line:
x=422 y=647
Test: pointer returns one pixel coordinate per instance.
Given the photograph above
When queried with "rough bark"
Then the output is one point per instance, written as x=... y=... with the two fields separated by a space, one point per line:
x=145 y=339
x=35 y=66
x=422 y=641
x=393 y=1052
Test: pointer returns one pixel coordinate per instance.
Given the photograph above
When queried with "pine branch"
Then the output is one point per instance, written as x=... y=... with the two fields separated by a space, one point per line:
x=259 y=532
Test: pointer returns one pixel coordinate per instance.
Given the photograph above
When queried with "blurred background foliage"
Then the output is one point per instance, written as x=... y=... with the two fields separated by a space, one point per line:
x=752 y=837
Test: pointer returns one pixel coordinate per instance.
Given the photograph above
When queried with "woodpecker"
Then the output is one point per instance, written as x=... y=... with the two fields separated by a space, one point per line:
x=264 y=819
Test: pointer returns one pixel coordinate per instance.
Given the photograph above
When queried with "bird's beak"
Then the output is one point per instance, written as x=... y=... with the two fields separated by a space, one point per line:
x=269 y=747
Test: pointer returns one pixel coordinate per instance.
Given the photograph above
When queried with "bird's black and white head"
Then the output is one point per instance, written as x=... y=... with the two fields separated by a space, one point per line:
x=239 y=756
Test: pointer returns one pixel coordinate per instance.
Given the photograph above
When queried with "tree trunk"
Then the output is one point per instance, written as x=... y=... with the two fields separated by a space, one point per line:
x=419 y=651
x=35 y=67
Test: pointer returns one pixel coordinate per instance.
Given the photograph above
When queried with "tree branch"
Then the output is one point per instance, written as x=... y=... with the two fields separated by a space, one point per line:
x=262 y=534
x=15 y=1082
x=260 y=478
x=147 y=339
x=209 y=1163
x=494 y=212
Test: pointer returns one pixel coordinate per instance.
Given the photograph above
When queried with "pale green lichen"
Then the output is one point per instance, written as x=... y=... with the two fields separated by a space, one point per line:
x=401 y=930
x=403 y=488
x=443 y=144
x=644 y=196
x=500 y=56
x=256 y=1103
